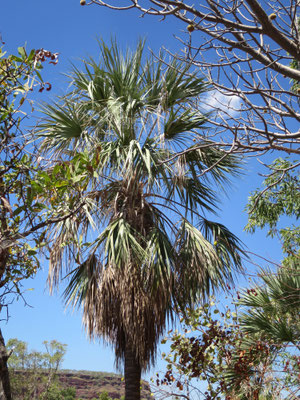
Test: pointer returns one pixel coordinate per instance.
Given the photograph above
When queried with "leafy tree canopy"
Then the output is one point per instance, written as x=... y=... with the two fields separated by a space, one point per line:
x=280 y=198
x=32 y=195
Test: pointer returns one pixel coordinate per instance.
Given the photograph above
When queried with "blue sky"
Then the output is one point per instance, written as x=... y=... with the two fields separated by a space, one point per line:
x=66 y=27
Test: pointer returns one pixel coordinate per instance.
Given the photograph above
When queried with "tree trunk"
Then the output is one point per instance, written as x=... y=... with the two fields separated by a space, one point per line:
x=5 y=390
x=132 y=374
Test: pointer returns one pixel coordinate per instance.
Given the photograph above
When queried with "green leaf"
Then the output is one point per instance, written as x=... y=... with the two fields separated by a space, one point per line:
x=22 y=52
x=38 y=74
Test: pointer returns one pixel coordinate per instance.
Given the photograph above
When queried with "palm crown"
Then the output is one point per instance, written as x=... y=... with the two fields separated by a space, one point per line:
x=153 y=250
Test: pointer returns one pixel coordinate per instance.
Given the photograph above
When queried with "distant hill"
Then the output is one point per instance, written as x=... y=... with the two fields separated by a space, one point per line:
x=90 y=384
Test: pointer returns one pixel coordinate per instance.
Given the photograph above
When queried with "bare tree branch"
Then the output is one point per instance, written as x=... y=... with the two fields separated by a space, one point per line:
x=249 y=51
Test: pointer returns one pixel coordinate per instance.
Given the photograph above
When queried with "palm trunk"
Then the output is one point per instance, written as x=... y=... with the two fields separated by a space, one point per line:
x=5 y=390
x=132 y=376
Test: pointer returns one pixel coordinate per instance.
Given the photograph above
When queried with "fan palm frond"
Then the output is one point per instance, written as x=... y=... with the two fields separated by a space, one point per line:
x=273 y=309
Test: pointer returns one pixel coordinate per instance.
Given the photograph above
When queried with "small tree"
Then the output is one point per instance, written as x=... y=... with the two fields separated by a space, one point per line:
x=33 y=374
x=33 y=194
x=17 y=213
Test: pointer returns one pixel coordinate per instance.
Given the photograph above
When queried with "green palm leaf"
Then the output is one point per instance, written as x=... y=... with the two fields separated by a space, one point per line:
x=274 y=308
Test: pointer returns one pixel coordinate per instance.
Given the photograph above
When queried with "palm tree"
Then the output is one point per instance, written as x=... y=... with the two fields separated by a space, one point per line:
x=127 y=119
x=273 y=308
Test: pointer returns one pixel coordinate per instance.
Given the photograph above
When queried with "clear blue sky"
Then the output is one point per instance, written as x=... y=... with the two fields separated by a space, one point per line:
x=66 y=27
